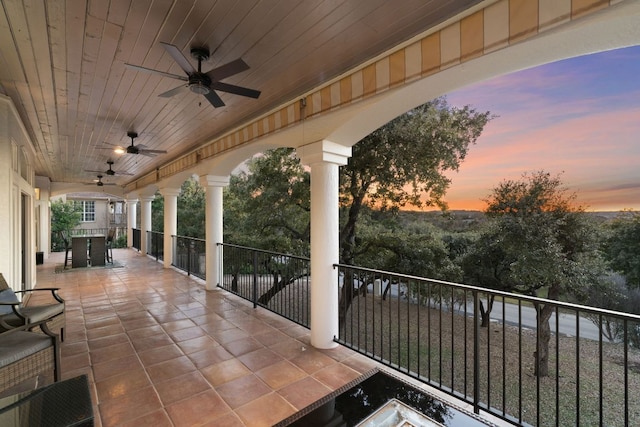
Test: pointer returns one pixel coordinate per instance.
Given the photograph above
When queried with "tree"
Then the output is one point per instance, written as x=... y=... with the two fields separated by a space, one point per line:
x=487 y=264
x=268 y=206
x=404 y=163
x=65 y=216
x=622 y=246
x=547 y=243
x=191 y=209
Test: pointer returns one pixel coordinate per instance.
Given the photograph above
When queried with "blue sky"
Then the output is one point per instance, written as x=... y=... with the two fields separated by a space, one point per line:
x=579 y=118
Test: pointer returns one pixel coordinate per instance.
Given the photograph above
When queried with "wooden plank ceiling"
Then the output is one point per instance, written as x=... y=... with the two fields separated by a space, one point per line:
x=63 y=64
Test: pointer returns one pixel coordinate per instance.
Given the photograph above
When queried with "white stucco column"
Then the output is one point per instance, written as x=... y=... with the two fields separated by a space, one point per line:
x=132 y=218
x=324 y=158
x=213 y=222
x=170 y=222
x=145 y=222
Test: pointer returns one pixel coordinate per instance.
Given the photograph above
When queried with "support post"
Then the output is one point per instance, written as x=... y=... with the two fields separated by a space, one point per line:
x=324 y=158
x=170 y=223
x=132 y=218
x=145 y=222
x=213 y=212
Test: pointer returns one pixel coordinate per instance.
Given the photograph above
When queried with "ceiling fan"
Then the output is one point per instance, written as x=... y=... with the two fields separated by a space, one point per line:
x=99 y=182
x=202 y=83
x=110 y=171
x=135 y=149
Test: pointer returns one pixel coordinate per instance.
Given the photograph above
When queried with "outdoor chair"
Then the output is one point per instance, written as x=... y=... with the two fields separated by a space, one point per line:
x=67 y=249
x=109 y=245
x=13 y=313
x=25 y=355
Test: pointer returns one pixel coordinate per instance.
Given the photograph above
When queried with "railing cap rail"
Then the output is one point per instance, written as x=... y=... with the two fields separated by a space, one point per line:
x=263 y=251
x=532 y=299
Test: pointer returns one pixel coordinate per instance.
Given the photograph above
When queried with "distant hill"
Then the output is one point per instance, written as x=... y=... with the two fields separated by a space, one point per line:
x=462 y=220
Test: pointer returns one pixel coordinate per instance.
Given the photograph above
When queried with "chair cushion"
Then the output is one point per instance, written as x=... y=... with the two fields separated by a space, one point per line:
x=18 y=345
x=7 y=295
x=34 y=314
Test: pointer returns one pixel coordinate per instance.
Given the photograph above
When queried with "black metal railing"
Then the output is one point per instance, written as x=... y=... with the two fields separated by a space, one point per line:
x=136 y=239
x=275 y=281
x=434 y=331
x=155 y=244
x=189 y=254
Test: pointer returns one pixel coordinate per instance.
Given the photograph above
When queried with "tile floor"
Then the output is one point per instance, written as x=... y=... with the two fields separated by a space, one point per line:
x=160 y=351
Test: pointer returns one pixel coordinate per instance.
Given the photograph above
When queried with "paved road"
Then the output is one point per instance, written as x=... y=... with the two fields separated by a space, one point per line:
x=567 y=322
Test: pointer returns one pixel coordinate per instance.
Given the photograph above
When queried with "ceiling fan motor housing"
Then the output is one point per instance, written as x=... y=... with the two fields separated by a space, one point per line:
x=199 y=83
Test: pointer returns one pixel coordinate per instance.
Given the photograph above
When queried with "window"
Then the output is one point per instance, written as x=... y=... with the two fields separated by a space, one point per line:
x=88 y=210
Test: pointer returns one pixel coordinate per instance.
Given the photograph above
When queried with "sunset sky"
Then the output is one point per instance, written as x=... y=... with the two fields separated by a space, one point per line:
x=579 y=118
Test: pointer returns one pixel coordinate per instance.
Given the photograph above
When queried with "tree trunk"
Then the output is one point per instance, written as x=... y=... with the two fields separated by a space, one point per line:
x=486 y=315
x=346 y=297
x=541 y=356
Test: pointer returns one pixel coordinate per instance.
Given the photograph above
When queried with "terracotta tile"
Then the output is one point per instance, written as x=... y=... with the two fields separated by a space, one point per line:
x=102 y=371
x=265 y=411
x=133 y=324
x=182 y=387
x=227 y=335
x=187 y=334
x=170 y=369
x=116 y=411
x=101 y=322
x=155 y=419
x=70 y=349
x=159 y=354
x=170 y=317
x=289 y=348
x=75 y=362
x=242 y=346
x=359 y=363
x=125 y=384
x=150 y=342
x=98 y=343
x=228 y=420
x=223 y=372
x=176 y=325
x=271 y=338
x=110 y=353
x=304 y=392
x=105 y=331
x=197 y=410
x=312 y=361
x=145 y=332
x=336 y=375
x=197 y=344
x=209 y=356
x=280 y=374
x=260 y=358
x=242 y=390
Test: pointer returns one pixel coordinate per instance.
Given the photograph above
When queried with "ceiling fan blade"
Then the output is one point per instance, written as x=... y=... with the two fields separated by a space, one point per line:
x=214 y=99
x=145 y=151
x=177 y=56
x=228 y=69
x=160 y=73
x=237 y=90
x=174 y=91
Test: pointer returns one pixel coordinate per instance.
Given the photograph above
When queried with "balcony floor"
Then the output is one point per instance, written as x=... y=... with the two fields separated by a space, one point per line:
x=159 y=350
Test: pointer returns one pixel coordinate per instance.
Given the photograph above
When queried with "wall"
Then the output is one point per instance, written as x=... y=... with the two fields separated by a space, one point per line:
x=17 y=212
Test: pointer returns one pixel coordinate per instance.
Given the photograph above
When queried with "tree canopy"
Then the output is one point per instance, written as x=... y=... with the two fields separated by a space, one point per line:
x=404 y=163
x=622 y=246
x=540 y=243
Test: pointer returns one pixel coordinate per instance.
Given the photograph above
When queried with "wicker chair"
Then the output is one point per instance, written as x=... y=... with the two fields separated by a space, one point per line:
x=25 y=355
x=13 y=313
